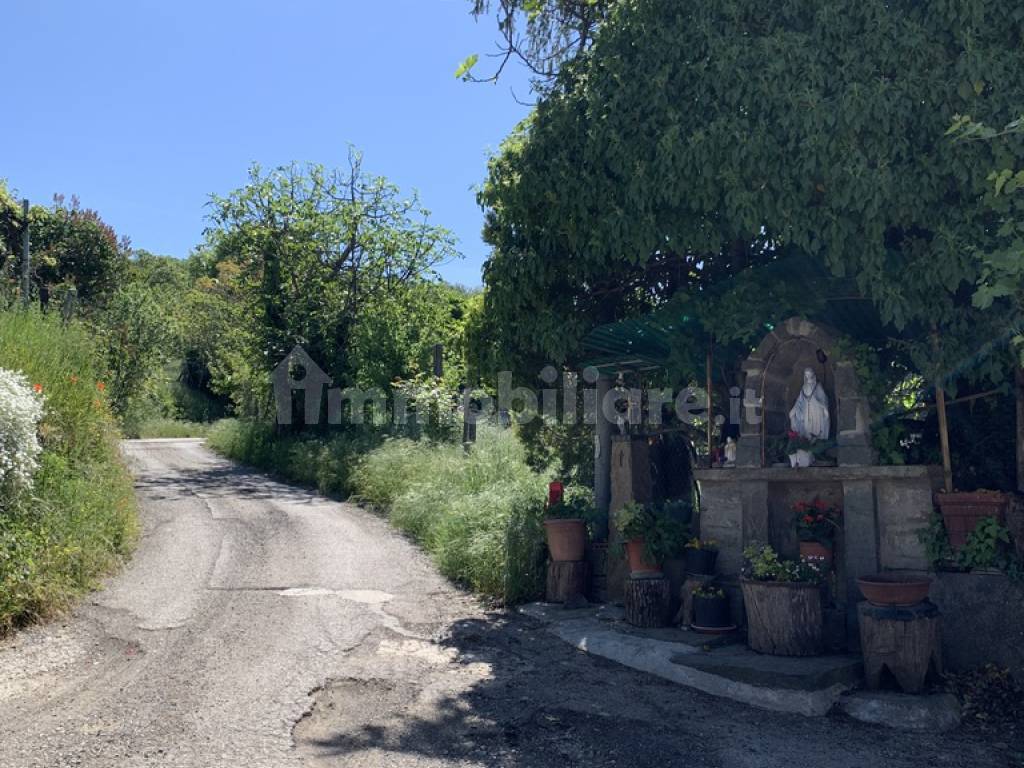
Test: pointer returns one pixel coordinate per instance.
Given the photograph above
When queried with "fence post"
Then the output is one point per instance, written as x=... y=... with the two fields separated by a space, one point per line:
x=25 y=264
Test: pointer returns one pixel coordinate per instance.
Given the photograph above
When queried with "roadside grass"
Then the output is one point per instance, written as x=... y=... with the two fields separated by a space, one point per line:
x=154 y=428
x=79 y=522
x=478 y=513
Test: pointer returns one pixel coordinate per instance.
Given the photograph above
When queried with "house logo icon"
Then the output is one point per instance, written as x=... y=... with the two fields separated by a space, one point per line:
x=311 y=384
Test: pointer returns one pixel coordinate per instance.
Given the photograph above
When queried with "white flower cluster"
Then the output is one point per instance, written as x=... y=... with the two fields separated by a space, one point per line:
x=21 y=410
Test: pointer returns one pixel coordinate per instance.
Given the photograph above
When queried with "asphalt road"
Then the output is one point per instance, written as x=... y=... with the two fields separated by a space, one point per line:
x=260 y=625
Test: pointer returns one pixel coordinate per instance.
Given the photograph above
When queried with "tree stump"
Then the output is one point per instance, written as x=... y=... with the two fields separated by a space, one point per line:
x=906 y=641
x=693 y=580
x=566 y=579
x=647 y=601
x=783 y=618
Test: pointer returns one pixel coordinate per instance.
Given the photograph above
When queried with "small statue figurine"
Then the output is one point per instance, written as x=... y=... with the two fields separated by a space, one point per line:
x=730 y=452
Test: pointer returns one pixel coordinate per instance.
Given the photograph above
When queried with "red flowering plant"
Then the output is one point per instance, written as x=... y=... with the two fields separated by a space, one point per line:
x=816 y=521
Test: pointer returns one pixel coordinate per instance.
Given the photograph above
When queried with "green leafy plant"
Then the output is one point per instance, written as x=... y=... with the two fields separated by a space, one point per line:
x=985 y=545
x=571 y=508
x=709 y=544
x=663 y=535
x=936 y=541
x=709 y=592
x=762 y=563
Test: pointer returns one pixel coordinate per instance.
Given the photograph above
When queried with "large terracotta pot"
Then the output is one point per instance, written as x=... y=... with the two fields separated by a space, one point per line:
x=567 y=540
x=961 y=512
x=638 y=562
x=784 y=618
x=817 y=550
x=891 y=591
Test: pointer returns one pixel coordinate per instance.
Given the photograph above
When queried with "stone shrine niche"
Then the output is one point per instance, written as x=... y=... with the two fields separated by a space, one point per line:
x=774 y=376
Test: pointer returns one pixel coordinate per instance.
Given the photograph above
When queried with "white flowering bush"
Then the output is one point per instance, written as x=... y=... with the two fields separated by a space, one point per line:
x=21 y=409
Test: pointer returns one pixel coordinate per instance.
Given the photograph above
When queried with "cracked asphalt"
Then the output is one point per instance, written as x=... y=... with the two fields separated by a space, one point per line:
x=263 y=625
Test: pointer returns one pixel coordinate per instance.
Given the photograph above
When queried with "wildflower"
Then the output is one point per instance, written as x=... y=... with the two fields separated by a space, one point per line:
x=100 y=386
x=20 y=414
x=96 y=403
x=808 y=519
x=819 y=504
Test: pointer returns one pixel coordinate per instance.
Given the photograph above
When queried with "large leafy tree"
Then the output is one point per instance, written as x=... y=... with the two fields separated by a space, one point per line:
x=73 y=245
x=696 y=141
x=318 y=249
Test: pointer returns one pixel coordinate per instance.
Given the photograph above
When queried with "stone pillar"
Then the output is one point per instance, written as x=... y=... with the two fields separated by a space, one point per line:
x=853 y=420
x=630 y=481
x=602 y=459
x=748 y=447
x=860 y=546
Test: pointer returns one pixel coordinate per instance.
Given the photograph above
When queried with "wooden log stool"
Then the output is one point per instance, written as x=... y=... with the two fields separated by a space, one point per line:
x=566 y=580
x=906 y=641
x=647 y=600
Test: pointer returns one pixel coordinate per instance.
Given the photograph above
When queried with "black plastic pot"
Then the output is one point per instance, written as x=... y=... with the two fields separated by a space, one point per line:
x=700 y=560
x=711 y=612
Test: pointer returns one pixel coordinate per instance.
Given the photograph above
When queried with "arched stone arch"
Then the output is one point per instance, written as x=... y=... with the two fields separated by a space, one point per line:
x=773 y=375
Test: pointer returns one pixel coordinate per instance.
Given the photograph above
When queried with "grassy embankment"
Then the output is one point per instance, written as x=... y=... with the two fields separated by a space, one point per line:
x=79 y=521
x=478 y=513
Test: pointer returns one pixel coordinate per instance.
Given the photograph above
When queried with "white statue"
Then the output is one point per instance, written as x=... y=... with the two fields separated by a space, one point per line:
x=809 y=414
x=730 y=452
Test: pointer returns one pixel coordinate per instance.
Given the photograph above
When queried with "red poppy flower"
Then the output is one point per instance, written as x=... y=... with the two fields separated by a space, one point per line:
x=37 y=388
x=808 y=519
x=100 y=386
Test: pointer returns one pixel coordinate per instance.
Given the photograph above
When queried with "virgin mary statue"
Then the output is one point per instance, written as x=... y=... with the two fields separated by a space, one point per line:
x=809 y=415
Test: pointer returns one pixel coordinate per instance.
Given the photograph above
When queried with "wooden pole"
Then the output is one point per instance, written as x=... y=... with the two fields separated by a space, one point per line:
x=940 y=405
x=26 y=285
x=707 y=381
x=1020 y=428
x=947 y=464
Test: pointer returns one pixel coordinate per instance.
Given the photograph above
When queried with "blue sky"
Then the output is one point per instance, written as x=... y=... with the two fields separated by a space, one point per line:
x=144 y=108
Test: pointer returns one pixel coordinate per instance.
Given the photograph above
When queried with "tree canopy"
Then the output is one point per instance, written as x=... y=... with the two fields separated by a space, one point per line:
x=696 y=141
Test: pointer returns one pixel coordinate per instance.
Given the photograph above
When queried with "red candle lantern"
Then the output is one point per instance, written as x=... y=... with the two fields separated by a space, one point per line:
x=555 y=490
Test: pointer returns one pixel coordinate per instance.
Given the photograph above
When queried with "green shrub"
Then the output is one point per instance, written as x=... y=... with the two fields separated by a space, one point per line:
x=325 y=463
x=79 y=521
x=478 y=513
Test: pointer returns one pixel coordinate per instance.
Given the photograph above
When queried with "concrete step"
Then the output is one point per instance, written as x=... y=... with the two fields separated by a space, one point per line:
x=714 y=664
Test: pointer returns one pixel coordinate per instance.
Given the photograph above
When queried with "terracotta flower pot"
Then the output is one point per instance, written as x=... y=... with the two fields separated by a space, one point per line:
x=816 y=549
x=961 y=512
x=893 y=591
x=638 y=562
x=567 y=539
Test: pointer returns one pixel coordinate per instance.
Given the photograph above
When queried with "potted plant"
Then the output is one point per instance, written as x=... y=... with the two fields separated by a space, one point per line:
x=961 y=512
x=650 y=536
x=816 y=525
x=700 y=555
x=783 y=603
x=710 y=609
x=565 y=526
